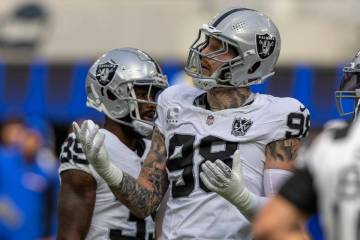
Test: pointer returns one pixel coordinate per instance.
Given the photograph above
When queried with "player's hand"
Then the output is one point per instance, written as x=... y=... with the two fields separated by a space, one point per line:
x=227 y=182
x=220 y=178
x=92 y=142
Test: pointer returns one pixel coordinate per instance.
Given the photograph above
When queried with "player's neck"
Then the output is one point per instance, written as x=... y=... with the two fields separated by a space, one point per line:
x=224 y=98
x=124 y=133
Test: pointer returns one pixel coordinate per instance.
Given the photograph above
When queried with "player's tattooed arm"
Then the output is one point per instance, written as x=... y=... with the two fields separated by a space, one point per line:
x=143 y=195
x=281 y=154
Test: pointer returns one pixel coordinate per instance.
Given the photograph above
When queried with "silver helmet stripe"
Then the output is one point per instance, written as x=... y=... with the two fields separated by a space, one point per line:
x=222 y=17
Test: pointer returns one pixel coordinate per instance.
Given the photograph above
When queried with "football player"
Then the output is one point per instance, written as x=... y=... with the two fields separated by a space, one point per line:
x=236 y=49
x=328 y=181
x=122 y=84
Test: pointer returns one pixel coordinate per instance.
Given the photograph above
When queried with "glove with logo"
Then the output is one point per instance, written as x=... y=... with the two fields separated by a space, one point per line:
x=229 y=184
x=92 y=142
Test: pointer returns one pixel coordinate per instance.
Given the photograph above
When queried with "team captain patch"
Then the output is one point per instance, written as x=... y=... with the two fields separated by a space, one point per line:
x=265 y=45
x=240 y=126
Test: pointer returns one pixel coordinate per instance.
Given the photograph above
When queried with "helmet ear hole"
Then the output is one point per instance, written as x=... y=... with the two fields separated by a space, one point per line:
x=254 y=67
x=234 y=50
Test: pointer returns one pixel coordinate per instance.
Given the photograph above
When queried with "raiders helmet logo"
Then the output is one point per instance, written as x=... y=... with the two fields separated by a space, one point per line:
x=240 y=126
x=265 y=45
x=105 y=72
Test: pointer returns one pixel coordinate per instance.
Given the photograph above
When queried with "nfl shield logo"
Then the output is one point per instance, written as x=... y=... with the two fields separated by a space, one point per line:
x=105 y=72
x=265 y=45
x=210 y=120
x=240 y=126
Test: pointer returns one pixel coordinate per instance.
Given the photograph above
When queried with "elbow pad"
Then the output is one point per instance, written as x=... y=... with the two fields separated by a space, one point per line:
x=274 y=179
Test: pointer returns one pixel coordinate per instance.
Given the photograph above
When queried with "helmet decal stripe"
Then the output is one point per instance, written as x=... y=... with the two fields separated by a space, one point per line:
x=227 y=14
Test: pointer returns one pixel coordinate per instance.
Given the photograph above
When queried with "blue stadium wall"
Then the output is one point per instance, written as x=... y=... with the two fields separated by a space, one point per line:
x=57 y=92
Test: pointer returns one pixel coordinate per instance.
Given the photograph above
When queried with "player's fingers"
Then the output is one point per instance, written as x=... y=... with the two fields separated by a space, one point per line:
x=220 y=176
x=76 y=130
x=211 y=167
x=236 y=166
x=84 y=129
x=92 y=133
x=207 y=171
x=90 y=138
x=211 y=177
x=98 y=143
x=206 y=180
x=225 y=169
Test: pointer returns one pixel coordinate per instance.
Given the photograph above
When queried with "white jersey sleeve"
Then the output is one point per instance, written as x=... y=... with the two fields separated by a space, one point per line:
x=291 y=119
x=161 y=112
x=72 y=157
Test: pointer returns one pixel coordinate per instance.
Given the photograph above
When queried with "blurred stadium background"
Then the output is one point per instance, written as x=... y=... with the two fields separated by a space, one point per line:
x=46 y=48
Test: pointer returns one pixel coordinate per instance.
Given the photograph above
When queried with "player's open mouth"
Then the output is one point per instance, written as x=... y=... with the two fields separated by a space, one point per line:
x=148 y=116
x=205 y=69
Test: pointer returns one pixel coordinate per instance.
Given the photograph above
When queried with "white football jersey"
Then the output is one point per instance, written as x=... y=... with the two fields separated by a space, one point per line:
x=194 y=134
x=110 y=219
x=334 y=166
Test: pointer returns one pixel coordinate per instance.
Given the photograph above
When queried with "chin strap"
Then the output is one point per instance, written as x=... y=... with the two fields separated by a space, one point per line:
x=209 y=83
x=142 y=128
x=204 y=83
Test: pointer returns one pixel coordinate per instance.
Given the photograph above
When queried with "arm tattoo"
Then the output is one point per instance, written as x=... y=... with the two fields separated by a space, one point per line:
x=143 y=195
x=282 y=153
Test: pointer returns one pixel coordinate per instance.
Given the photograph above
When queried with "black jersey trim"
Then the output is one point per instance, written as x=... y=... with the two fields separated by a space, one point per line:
x=201 y=101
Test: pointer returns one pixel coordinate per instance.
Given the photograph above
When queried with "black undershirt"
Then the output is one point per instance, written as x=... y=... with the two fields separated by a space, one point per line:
x=201 y=101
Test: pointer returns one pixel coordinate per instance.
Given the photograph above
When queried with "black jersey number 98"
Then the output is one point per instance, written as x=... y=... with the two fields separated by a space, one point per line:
x=299 y=123
x=184 y=159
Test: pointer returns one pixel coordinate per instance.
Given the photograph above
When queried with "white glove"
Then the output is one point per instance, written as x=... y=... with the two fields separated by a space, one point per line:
x=229 y=183
x=92 y=142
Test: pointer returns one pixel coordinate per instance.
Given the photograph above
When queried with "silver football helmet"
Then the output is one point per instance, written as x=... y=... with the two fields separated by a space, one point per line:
x=111 y=81
x=349 y=89
x=254 y=38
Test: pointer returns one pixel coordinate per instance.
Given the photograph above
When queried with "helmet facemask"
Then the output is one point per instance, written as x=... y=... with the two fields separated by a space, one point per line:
x=222 y=76
x=347 y=98
x=357 y=109
x=139 y=102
